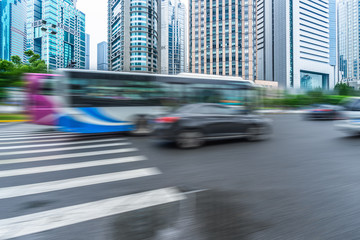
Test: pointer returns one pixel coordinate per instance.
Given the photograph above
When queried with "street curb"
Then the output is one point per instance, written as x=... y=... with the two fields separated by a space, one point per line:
x=13 y=121
x=281 y=112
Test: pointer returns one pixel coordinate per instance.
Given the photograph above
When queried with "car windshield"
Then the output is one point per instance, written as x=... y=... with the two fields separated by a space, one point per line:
x=186 y=109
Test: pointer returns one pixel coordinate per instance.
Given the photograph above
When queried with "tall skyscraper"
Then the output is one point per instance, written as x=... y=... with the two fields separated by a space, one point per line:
x=349 y=39
x=87 y=51
x=133 y=35
x=296 y=43
x=222 y=37
x=12 y=28
x=56 y=31
x=173 y=45
x=102 y=56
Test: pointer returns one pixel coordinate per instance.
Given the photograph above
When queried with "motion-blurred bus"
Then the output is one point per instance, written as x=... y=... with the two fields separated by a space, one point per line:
x=42 y=102
x=97 y=101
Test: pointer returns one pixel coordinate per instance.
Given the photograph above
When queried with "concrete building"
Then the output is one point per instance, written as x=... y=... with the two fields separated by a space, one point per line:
x=102 y=56
x=134 y=35
x=173 y=37
x=12 y=28
x=87 y=51
x=56 y=31
x=296 y=43
x=222 y=37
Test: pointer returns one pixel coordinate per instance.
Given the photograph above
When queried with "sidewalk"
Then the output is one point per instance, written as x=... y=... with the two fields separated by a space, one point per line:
x=279 y=111
x=10 y=109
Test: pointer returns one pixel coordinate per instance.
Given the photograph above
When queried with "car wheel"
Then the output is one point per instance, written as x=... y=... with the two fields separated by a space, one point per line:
x=189 y=139
x=142 y=126
x=253 y=133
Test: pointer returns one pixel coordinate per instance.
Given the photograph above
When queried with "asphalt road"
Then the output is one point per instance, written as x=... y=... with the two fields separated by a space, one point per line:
x=303 y=183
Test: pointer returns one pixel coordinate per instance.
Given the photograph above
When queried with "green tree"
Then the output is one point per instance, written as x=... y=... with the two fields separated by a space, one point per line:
x=344 y=89
x=11 y=72
x=16 y=60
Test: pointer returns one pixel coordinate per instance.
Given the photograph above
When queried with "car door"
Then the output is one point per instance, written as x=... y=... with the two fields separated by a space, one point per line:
x=219 y=121
x=355 y=110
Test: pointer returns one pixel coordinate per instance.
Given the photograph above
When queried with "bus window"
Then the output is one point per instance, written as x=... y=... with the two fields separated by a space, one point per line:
x=111 y=93
x=47 y=87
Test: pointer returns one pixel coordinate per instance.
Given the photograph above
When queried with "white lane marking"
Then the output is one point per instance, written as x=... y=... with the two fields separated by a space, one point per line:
x=43 y=187
x=64 y=156
x=51 y=140
x=35 y=134
x=61 y=143
x=69 y=166
x=64 y=149
x=42 y=137
x=52 y=219
x=11 y=132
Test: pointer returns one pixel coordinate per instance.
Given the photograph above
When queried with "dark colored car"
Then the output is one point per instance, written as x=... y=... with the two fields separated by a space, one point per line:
x=323 y=111
x=192 y=125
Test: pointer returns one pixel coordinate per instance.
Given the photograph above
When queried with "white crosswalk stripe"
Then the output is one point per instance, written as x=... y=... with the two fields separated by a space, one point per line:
x=47 y=220
x=29 y=189
x=35 y=134
x=37 y=137
x=69 y=166
x=51 y=140
x=65 y=156
x=60 y=143
x=64 y=149
x=120 y=161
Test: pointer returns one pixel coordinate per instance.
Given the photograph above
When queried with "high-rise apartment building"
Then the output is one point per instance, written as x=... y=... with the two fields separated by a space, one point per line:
x=222 y=37
x=173 y=37
x=12 y=28
x=56 y=31
x=102 y=56
x=296 y=43
x=133 y=35
x=349 y=40
x=87 y=51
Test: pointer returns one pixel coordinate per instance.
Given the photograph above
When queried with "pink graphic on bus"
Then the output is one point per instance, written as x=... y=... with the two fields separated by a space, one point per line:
x=41 y=104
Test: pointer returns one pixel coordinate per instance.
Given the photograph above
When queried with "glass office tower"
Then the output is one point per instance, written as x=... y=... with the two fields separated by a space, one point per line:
x=173 y=46
x=133 y=34
x=222 y=37
x=296 y=43
x=87 y=51
x=56 y=31
x=12 y=28
x=102 y=56
x=349 y=40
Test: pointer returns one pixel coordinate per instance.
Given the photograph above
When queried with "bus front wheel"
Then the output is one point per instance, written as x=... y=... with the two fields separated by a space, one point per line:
x=142 y=126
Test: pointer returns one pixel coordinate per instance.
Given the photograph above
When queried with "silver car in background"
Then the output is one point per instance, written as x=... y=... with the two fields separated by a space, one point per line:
x=351 y=116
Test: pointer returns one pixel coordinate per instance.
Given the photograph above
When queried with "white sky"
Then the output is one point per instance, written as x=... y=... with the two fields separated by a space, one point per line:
x=96 y=24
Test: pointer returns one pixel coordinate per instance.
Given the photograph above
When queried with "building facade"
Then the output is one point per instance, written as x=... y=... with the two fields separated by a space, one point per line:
x=12 y=28
x=173 y=35
x=222 y=37
x=349 y=40
x=87 y=51
x=102 y=56
x=133 y=35
x=56 y=31
x=297 y=43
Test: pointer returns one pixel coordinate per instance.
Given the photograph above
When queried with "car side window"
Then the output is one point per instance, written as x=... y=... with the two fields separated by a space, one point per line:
x=216 y=110
x=356 y=106
x=206 y=110
x=225 y=111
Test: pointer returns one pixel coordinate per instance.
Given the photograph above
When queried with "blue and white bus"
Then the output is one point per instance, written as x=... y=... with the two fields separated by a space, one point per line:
x=100 y=101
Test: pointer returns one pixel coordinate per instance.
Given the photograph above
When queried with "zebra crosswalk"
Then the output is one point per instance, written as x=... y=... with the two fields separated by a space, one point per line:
x=99 y=173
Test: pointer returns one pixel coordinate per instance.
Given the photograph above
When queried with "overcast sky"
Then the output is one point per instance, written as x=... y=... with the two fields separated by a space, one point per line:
x=96 y=24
